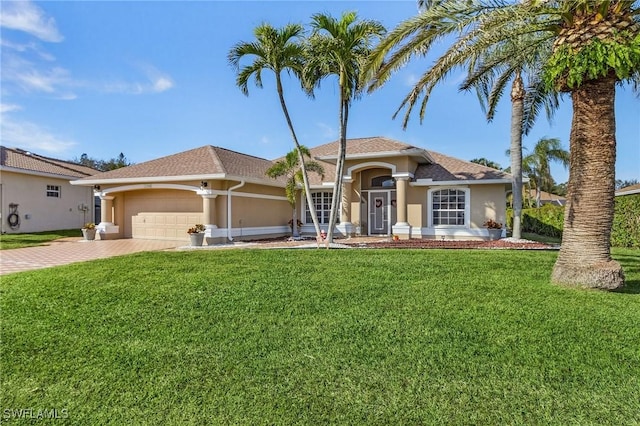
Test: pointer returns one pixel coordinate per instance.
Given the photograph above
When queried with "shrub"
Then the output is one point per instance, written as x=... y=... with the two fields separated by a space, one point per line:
x=547 y=220
x=626 y=222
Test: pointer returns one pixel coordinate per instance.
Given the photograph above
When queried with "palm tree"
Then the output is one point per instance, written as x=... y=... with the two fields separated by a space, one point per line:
x=536 y=164
x=276 y=50
x=291 y=168
x=594 y=47
x=489 y=75
x=339 y=47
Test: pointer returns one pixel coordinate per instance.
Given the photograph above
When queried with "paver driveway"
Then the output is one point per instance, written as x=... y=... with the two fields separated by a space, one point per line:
x=70 y=250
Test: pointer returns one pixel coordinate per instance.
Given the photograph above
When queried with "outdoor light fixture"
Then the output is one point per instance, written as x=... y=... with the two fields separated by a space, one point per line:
x=96 y=187
x=203 y=184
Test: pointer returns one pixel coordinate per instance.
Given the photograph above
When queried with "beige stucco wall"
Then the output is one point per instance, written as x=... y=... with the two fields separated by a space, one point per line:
x=41 y=213
x=487 y=202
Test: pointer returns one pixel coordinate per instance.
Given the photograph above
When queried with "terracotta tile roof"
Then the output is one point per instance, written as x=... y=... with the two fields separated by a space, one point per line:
x=448 y=168
x=203 y=161
x=28 y=161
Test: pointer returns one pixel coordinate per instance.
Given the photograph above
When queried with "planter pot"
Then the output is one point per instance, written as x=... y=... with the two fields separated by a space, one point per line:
x=89 y=234
x=196 y=239
x=494 y=234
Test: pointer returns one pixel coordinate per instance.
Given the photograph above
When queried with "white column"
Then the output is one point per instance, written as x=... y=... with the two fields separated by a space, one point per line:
x=106 y=229
x=401 y=228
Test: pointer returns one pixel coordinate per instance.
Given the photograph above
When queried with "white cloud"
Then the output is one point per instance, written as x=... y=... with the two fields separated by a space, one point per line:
x=4 y=108
x=327 y=131
x=411 y=80
x=30 y=136
x=156 y=82
x=26 y=16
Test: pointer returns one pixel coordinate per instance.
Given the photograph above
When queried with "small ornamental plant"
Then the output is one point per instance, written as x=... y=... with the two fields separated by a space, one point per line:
x=492 y=224
x=196 y=229
x=298 y=223
x=89 y=225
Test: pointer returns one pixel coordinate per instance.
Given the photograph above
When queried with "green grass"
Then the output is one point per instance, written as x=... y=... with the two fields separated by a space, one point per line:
x=13 y=241
x=321 y=337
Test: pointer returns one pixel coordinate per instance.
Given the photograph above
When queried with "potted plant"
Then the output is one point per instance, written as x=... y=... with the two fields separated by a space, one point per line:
x=494 y=228
x=196 y=235
x=89 y=231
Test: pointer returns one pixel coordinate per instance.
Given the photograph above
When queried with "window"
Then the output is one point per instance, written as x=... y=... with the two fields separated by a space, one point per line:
x=449 y=207
x=322 y=202
x=53 y=191
x=383 y=181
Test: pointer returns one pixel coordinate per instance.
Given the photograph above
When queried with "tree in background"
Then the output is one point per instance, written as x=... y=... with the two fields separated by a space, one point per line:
x=339 y=47
x=488 y=163
x=536 y=165
x=291 y=168
x=102 y=165
x=624 y=183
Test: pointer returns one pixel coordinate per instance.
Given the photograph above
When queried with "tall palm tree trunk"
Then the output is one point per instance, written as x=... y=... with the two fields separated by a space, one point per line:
x=517 y=112
x=305 y=178
x=585 y=259
x=336 y=198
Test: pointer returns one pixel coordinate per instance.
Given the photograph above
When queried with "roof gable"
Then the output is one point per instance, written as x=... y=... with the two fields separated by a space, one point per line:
x=33 y=163
x=196 y=163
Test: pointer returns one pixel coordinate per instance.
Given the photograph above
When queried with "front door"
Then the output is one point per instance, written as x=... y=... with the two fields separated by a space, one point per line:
x=381 y=212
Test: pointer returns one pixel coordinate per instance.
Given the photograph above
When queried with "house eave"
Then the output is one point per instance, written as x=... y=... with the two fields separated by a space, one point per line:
x=419 y=154
x=431 y=182
x=37 y=173
x=184 y=178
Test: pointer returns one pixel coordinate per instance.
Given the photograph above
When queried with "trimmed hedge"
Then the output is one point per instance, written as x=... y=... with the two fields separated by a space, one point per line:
x=626 y=222
x=549 y=220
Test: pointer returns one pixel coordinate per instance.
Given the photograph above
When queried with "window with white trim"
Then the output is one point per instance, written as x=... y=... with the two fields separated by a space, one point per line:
x=322 y=202
x=53 y=191
x=449 y=207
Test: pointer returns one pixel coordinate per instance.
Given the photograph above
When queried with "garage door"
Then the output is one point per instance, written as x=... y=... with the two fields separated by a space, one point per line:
x=163 y=225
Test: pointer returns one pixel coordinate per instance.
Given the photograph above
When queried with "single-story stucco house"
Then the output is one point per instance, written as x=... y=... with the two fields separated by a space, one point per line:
x=389 y=187
x=36 y=195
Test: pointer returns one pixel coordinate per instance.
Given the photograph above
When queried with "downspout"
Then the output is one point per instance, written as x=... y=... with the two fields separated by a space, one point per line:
x=229 y=221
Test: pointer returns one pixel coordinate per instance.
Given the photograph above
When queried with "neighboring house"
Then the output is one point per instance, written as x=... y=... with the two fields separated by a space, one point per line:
x=546 y=198
x=390 y=187
x=36 y=194
x=628 y=190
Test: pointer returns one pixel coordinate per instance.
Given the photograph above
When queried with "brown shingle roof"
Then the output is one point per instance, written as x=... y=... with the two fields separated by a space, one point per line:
x=448 y=168
x=203 y=161
x=371 y=145
x=27 y=161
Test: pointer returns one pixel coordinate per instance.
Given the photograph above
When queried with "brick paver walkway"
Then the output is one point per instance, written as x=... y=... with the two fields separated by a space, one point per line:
x=70 y=250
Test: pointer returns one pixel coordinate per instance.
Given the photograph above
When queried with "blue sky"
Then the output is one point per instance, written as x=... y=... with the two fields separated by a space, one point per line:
x=151 y=79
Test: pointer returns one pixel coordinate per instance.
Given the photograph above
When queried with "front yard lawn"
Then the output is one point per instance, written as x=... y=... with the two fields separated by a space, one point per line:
x=13 y=241
x=321 y=337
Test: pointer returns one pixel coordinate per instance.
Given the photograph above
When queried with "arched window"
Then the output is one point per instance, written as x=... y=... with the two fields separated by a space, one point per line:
x=449 y=207
x=383 y=182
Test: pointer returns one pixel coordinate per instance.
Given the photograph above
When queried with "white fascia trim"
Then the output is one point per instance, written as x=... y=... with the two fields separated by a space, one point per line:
x=629 y=192
x=430 y=182
x=165 y=179
x=196 y=189
x=383 y=154
x=156 y=179
x=36 y=173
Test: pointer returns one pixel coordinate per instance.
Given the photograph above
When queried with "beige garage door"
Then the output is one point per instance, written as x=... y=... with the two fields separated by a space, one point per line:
x=163 y=226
